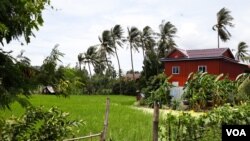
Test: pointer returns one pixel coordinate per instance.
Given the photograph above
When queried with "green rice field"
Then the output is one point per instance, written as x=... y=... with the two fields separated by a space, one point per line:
x=126 y=123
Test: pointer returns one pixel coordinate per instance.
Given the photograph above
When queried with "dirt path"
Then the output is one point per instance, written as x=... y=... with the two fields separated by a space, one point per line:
x=164 y=112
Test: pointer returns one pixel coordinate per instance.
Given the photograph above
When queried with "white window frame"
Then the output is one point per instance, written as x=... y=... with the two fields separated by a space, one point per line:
x=202 y=66
x=178 y=68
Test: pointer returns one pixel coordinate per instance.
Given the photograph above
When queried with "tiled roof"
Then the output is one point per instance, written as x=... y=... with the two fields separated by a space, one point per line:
x=215 y=52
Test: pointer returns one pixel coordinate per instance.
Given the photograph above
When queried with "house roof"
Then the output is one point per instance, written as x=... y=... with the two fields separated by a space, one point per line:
x=214 y=52
x=201 y=54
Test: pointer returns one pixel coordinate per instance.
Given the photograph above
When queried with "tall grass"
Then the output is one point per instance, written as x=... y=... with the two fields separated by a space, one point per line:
x=125 y=123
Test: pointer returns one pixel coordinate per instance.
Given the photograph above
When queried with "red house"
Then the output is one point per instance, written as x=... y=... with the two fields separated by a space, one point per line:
x=180 y=63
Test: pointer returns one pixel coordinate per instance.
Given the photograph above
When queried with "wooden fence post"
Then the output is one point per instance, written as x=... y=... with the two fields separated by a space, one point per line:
x=155 y=121
x=104 y=132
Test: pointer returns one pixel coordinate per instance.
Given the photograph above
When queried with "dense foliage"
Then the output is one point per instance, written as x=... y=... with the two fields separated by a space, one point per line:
x=38 y=125
x=185 y=127
x=20 y=18
x=204 y=90
x=158 y=89
x=15 y=78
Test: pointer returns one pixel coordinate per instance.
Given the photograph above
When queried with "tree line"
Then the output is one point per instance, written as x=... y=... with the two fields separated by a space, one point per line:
x=18 y=76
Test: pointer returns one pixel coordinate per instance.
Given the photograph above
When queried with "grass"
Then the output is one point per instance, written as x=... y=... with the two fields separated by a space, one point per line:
x=125 y=122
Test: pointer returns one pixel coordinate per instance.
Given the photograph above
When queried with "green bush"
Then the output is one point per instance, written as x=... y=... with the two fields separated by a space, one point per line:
x=38 y=125
x=207 y=127
x=159 y=91
x=244 y=90
x=204 y=90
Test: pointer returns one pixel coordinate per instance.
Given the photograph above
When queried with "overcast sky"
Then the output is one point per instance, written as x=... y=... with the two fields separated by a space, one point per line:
x=77 y=24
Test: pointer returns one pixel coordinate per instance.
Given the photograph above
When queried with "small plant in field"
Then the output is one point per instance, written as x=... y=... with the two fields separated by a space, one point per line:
x=38 y=125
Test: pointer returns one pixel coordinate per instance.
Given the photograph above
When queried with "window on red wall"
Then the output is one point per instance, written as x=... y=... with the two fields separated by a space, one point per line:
x=202 y=68
x=175 y=69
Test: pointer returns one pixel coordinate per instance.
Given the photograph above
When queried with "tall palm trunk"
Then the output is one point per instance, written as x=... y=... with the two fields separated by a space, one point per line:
x=120 y=77
x=131 y=54
x=107 y=61
x=143 y=53
x=80 y=66
x=218 y=39
x=89 y=70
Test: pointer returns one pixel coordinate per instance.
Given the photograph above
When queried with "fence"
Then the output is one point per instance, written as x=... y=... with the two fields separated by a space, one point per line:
x=102 y=134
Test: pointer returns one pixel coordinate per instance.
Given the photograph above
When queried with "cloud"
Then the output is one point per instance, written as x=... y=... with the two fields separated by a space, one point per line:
x=77 y=24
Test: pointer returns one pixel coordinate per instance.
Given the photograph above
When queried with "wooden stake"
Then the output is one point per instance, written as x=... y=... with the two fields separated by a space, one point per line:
x=155 y=121
x=104 y=132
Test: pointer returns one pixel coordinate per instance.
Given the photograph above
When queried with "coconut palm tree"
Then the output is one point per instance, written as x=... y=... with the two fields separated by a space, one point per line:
x=90 y=57
x=223 y=19
x=146 y=39
x=106 y=46
x=146 y=42
x=80 y=60
x=133 y=39
x=116 y=34
x=166 y=42
x=242 y=52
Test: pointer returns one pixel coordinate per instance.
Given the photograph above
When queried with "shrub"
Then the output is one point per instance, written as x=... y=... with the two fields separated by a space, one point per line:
x=244 y=90
x=159 y=91
x=38 y=125
x=185 y=127
x=203 y=90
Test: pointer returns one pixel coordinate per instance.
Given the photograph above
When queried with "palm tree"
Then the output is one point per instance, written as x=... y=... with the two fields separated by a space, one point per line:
x=106 y=45
x=89 y=57
x=242 y=52
x=166 y=42
x=223 y=19
x=146 y=39
x=116 y=34
x=133 y=39
x=80 y=60
x=146 y=42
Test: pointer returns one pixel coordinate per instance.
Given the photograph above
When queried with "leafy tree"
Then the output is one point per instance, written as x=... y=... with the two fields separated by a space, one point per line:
x=71 y=82
x=150 y=64
x=133 y=39
x=166 y=42
x=20 y=18
x=224 y=19
x=242 y=52
x=48 y=68
x=16 y=78
x=17 y=19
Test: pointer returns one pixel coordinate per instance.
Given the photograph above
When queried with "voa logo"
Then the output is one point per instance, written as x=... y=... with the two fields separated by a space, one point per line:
x=236 y=132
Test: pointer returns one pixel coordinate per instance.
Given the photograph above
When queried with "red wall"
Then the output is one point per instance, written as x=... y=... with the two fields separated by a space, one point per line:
x=213 y=67
x=231 y=69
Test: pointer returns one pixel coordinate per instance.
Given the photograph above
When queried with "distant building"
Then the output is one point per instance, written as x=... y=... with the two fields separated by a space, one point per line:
x=48 y=90
x=129 y=75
